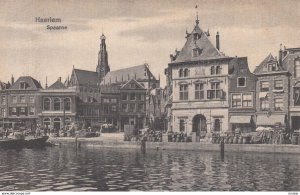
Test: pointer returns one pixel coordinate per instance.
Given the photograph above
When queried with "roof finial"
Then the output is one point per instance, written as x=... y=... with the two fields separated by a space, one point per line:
x=197 y=20
x=46 y=83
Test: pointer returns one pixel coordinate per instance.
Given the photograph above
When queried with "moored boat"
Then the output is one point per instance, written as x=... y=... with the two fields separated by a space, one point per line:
x=36 y=142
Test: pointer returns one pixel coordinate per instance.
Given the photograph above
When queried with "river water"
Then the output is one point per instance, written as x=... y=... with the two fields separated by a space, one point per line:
x=103 y=169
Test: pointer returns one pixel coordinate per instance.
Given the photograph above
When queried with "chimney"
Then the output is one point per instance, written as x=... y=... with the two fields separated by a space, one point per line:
x=218 y=41
x=280 y=55
x=59 y=78
x=12 y=79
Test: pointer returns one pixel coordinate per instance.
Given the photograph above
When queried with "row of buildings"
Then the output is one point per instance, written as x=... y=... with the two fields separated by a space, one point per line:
x=127 y=96
x=208 y=91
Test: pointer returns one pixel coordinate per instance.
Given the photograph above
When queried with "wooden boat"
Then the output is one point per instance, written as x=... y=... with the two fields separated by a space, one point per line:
x=36 y=142
x=24 y=143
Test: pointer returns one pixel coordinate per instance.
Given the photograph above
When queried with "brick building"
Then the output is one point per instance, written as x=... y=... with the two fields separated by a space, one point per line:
x=272 y=93
x=241 y=96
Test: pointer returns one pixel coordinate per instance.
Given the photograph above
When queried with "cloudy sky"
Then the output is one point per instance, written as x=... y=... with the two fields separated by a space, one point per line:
x=136 y=31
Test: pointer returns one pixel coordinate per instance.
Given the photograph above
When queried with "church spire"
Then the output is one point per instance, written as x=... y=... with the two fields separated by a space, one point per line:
x=197 y=20
x=102 y=67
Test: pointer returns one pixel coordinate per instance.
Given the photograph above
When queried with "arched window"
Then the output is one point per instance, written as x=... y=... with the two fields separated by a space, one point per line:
x=212 y=70
x=67 y=104
x=218 y=70
x=180 y=73
x=56 y=104
x=186 y=72
x=47 y=104
x=47 y=122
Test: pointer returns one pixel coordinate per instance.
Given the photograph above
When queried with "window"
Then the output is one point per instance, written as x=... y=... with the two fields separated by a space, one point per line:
x=297 y=67
x=22 y=85
x=212 y=70
x=3 y=100
x=138 y=96
x=14 y=111
x=241 y=82
x=132 y=96
x=47 y=104
x=181 y=125
x=131 y=107
x=106 y=100
x=67 y=104
x=47 y=121
x=297 y=96
x=247 y=100
x=236 y=101
x=278 y=85
x=215 y=92
x=3 y=112
x=183 y=92
x=124 y=96
x=22 y=99
x=105 y=109
x=218 y=70
x=199 y=92
x=180 y=73
x=272 y=67
x=141 y=107
x=186 y=72
x=56 y=104
x=14 y=99
x=113 y=100
x=31 y=110
x=23 y=111
x=114 y=108
x=31 y=99
x=196 y=52
x=197 y=36
x=264 y=86
x=124 y=108
x=264 y=104
x=217 y=125
x=278 y=104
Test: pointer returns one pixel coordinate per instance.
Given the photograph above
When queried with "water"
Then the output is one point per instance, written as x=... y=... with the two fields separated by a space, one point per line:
x=99 y=169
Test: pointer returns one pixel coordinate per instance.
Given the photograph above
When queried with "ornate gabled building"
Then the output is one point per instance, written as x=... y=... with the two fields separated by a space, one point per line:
x=272 y=93
x=197 y=77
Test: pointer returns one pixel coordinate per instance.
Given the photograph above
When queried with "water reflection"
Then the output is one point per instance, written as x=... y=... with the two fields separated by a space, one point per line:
x=91 y=169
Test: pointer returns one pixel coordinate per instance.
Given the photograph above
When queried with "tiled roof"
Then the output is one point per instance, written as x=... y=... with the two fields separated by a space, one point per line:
x=31 y=83
x=140 y=72
x=260 y=68
x=207 y=49
x=57 y=85
x=85 y=77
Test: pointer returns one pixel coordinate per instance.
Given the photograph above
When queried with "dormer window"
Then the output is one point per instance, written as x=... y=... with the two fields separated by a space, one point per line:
x=196 y=52
x=241 y=82
x=197 y=36
x=22 y=85
x=271 y=67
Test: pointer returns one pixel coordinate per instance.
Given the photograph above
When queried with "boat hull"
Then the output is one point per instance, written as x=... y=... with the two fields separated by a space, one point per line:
x=20 y=143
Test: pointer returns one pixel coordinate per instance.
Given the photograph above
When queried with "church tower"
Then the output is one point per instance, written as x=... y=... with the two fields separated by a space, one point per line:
x=102 y=67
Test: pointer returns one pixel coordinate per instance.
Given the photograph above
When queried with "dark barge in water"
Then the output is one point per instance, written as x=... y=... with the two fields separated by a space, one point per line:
x=24 y=143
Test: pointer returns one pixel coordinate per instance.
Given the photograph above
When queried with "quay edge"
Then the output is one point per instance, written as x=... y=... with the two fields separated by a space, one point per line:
x=255 y=148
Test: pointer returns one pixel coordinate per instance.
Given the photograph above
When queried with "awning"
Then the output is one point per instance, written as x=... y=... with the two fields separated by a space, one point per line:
x=262 y=94
x=271 y=120
x=240 y=119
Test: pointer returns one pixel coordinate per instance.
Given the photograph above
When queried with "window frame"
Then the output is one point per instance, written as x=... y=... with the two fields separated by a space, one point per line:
x=281 y=103
x=264 y=101
x=199 y=91
x=264 y=89
x=245 y=81
x=183 y=92
x=275 y=84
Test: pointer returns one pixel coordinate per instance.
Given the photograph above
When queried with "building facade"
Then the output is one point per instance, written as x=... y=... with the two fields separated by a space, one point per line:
x=242 y=96
x=272 y=93
x=199 y=83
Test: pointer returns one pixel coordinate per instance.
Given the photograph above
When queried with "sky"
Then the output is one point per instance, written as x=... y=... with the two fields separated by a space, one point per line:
x=137 y=32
